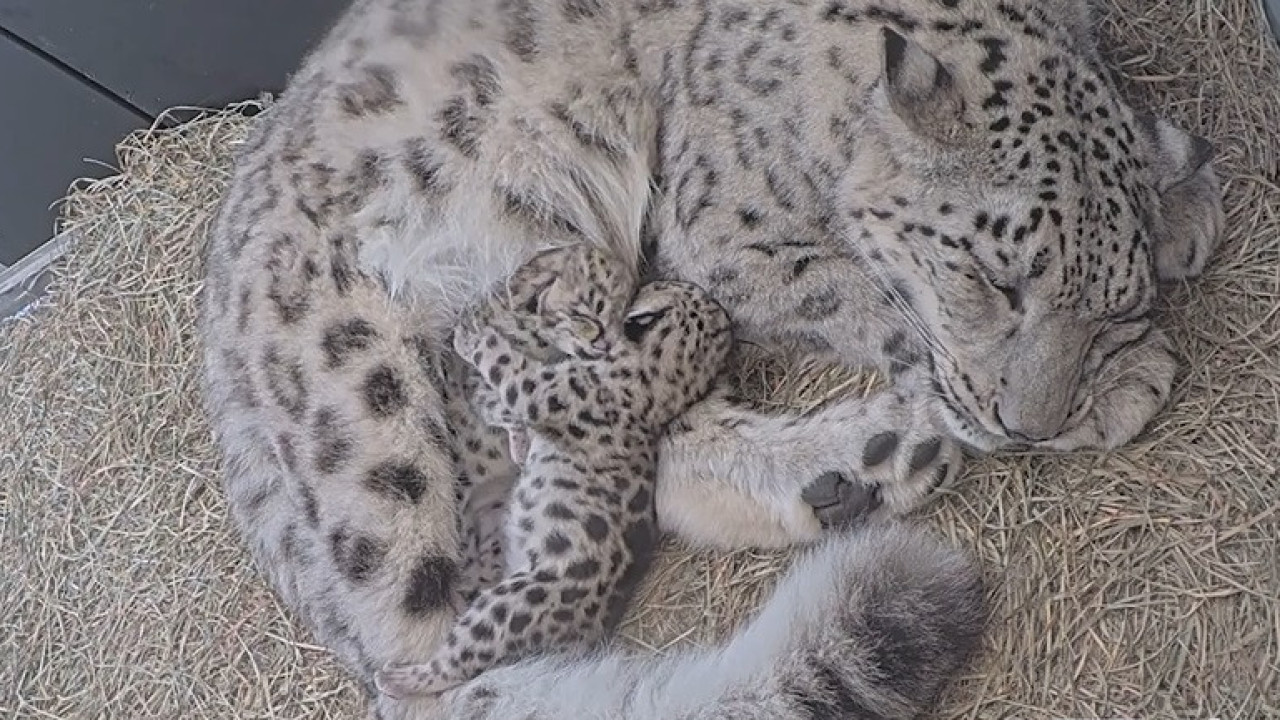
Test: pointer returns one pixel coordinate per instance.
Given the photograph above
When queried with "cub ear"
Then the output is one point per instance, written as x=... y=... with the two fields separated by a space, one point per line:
x=921 y=91
x=1176 y=154
x=565 y=280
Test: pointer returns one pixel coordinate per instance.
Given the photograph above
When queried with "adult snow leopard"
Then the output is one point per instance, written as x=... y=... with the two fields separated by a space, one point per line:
x=951 y=190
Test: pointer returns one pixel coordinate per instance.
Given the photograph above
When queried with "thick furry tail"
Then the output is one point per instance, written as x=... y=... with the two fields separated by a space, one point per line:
x=867 y=625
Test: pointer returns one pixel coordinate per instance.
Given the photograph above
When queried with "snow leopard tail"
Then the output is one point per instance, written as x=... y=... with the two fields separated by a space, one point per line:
x=867 y=625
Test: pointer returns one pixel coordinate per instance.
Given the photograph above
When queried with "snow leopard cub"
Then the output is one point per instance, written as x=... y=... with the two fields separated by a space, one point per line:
x=581 y=524
x=557 y=303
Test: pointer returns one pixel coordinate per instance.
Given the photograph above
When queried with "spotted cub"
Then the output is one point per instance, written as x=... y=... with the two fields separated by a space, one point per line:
x=581 y=525
x=557 y=303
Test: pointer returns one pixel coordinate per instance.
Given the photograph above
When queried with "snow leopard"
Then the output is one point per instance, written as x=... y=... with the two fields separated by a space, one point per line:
x=953 y=192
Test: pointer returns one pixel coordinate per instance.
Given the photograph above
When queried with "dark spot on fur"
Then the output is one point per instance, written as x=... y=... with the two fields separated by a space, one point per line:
x=384 y=392
x=333 y=444
x=480 y=76
x=597 y=528
x=583 y=570
x=576 y=10
x=424 y=167
x=750 y=217
x=359 y=557
x=376 y=92
x=286 y=382
x=242 y=391
x=482 y=631
x=341 y=340
x=559 y=511
x=519 y=622
x=556 y=544
x=310 y=505
x=342 y=266
x=640 y=501
x=288 y=454
x=521 y=20
x=291 y=274
x=459 y=127
x=397 y=480
x=430 y=584
x=820 y=305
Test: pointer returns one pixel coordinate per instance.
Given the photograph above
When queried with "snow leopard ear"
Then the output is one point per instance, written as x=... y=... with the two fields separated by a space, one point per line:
x=1189 y=223
x=1176 y=154
x=921 y=91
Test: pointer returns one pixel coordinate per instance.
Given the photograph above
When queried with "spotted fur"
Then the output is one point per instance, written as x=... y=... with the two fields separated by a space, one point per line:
x=950 y=190
x=581 y=527
x=557 y=303
x=865 y=626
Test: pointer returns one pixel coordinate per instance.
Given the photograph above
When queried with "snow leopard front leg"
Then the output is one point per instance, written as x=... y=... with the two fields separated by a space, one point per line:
x=731 y=474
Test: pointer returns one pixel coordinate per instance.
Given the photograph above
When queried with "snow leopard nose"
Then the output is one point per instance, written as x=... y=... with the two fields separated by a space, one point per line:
x=1041 y=376
x=1032 y=427
x=1034 y=402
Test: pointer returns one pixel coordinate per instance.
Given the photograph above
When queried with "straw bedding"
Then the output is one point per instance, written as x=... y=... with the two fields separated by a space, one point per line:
x=1142 y=583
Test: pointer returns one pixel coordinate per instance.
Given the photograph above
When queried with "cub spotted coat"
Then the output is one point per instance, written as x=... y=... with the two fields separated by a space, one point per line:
x=560 y=301
x=581 y=526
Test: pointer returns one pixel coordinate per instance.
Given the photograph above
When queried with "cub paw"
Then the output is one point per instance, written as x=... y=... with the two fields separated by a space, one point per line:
x=401 y=681
x=397 y=681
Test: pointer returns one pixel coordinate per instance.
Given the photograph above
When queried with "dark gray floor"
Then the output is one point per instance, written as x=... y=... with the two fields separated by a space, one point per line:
x=50 y=126
x=77 y=75
x=157 y=55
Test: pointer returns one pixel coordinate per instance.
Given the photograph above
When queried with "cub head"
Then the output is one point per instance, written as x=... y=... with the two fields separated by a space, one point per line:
x=569 y=295
x=679 y=339
x=1023 y=214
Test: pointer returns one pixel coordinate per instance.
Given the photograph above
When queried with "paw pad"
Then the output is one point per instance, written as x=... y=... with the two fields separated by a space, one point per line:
x=879 y=448
x=839 y=503
x=925 y=453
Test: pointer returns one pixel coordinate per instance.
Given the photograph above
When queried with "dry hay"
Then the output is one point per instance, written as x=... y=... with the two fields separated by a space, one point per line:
x=1142 y=583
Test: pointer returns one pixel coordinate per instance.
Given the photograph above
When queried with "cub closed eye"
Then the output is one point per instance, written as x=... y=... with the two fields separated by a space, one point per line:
x=637 y=325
